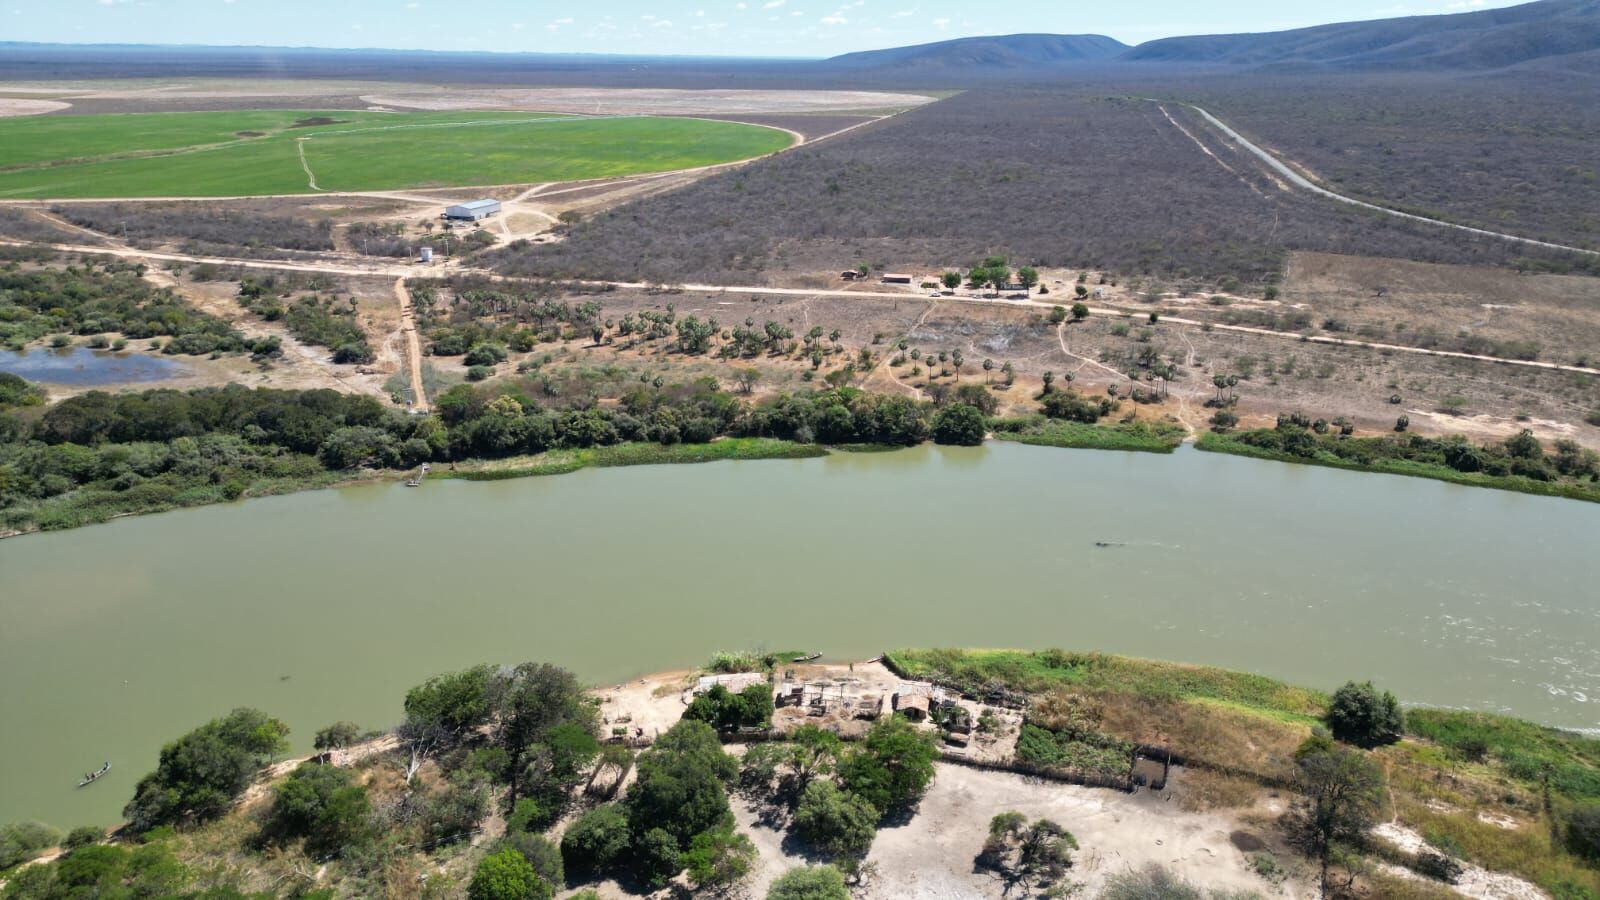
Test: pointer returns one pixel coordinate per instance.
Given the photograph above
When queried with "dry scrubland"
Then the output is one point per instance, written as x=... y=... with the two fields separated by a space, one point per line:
x=1511 y=152
x=1065 y=179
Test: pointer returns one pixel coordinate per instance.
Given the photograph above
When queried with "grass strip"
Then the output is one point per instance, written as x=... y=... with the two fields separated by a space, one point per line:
x=1229 y=444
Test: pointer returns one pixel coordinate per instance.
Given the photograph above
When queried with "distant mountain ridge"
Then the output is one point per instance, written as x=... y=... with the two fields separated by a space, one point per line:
x=1485 y=39
x=1010 y=51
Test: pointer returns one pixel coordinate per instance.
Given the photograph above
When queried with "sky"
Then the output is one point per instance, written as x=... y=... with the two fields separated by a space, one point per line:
x=783 y=28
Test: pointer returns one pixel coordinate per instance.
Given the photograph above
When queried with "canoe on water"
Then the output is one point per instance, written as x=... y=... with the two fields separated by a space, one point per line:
x=92 y=777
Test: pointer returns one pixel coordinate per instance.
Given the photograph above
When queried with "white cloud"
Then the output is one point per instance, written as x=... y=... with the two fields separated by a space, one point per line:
x=904 y=14
x=770 y=4
x=941 y=24
x=835 y=19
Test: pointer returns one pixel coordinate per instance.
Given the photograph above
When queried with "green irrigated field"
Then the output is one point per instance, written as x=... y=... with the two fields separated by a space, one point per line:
x=300 y=152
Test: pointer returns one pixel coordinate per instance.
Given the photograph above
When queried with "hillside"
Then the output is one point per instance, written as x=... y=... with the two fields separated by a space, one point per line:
x=1001 y=52
x=1487 y=39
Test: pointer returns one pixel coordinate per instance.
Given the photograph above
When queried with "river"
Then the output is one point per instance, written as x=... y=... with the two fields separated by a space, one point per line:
x=328 y=605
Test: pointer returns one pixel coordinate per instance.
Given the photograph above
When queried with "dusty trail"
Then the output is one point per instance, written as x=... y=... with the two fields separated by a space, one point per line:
x=403 y=270
x=413 y=345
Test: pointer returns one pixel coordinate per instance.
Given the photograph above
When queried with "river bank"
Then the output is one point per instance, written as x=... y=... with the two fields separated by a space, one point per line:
x=1217 y=750
x=1588 y=491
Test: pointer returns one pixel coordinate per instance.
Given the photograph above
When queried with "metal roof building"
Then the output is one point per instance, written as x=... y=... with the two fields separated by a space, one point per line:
x=472 y=210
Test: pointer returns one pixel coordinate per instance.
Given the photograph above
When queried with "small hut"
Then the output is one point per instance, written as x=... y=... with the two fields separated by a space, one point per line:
x=913 y=706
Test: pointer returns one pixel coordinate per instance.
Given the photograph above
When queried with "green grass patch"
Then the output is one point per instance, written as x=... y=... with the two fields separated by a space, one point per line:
x=1034 y=672
x=176 y=154
x=558 y=462
x=1521 y=750
x=1138 y=437
x=1572 y=490
x=1096 y=754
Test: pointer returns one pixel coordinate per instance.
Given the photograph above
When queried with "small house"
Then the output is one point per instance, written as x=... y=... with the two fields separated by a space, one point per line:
x=472 y=210
x=850 y=275
x=1014 y=288
x=913 y=706
x=896 y=278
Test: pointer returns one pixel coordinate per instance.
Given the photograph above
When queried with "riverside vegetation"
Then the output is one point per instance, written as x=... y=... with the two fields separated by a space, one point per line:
x=98 y=455
x=494 y=787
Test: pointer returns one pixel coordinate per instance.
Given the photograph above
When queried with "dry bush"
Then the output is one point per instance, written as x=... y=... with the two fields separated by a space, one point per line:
x=1203 y=789
x=1066 y=710
x=1207 y=735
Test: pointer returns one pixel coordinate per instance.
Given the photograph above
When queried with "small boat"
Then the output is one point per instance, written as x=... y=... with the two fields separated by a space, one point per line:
x=807 y=658
x=92 y=777
x=415 y=482
x=1105 y=544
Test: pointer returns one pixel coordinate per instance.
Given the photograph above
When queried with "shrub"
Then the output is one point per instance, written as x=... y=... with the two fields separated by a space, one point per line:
x=479 y=373
x=809 y=883
x=719 y=858
x=834 y=821
x=321 y=804
x=544 y=856
x=84 y=836
x=24 y=840
x=657 y=855
x=505 y=875
x=337 y=736
x=730 y=662
x=1583 y=831
x=596 y=840
x=1359 y=715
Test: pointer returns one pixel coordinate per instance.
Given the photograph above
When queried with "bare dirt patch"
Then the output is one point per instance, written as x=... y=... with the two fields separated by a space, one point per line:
x=18 y=106
x=618 y=101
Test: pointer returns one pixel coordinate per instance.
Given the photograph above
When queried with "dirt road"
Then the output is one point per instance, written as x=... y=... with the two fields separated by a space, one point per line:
x=1304 y=183
x=402 y=271
x=408 y=327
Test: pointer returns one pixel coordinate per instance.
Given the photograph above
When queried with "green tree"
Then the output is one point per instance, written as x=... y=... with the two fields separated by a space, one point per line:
x=442 y=710
x=1080 y=311
x=544 y=856
x=505 y=875
x=681 y=783
x=200 y=774
x=337 y=736
x=719 y=858
x=835 y=822
x=533 y=701
x=596 y=840
x=1028 y=276
x=1058 y=314
x=809 y=883
x=951 y=281
x=891 y=766
x=1359 y=715
x=959 y=425
x=1049 y=381
x=1340 y=794
x=322 y=804
x=658 y=857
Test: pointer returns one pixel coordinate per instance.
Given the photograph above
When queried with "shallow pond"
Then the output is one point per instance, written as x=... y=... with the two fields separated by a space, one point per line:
x=84 y=367
x=328 y=605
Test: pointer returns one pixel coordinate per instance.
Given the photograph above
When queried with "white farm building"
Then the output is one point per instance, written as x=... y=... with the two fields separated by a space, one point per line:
x=472 y=210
